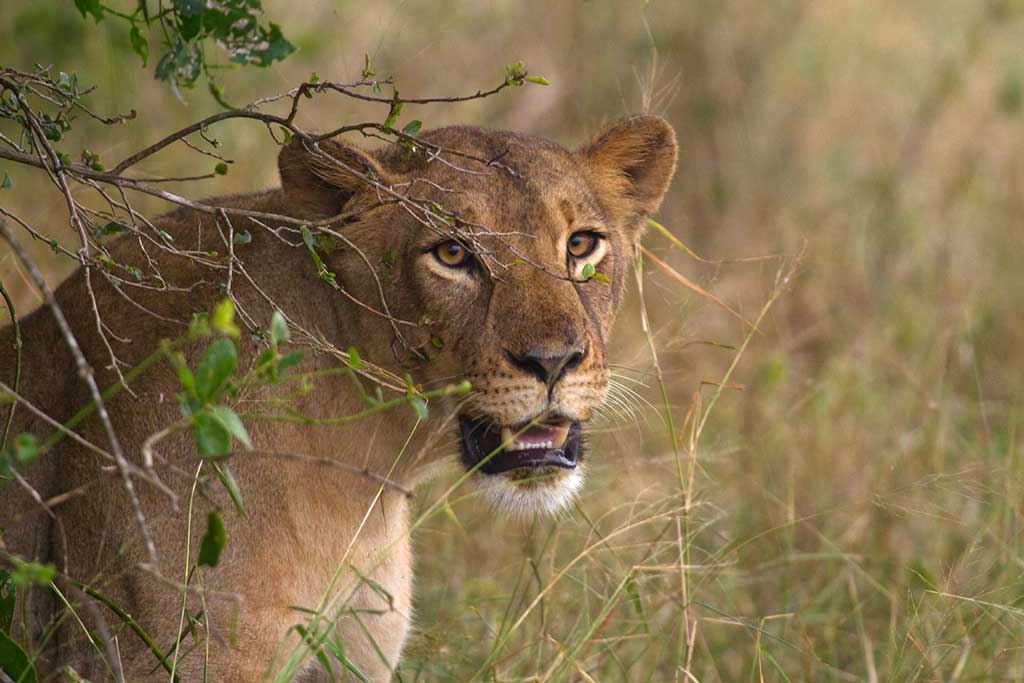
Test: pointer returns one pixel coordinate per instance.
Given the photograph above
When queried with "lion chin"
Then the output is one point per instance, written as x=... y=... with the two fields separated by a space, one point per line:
x=525 y=494
x=528 y=469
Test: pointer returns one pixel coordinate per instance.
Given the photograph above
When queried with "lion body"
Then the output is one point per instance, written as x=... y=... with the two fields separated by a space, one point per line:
x=315 y=536
x=103 y=542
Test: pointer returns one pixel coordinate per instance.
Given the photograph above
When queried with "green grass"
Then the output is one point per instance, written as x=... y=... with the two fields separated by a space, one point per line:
x=854 y=512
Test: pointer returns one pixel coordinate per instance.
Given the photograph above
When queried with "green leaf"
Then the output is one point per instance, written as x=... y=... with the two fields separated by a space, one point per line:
x=26 y=448
x=199 y=325
x=420 y=406
x=274 y=47
x=212 y=438
x=601 y=278
x=307 y=237
x=310 y=241
x=289 y=360
x=229 y=419
x=190 y=23
x=185 y=377
x=539 y=80
x=188 y=8
x=218 y=95
x=214 y=540
x=588 y=271
x=771 y=372
x=15 y=663
x=68 y=82
x=638 y=605
x=395 y=111
x=278 y=329
x=326 y=243
x=412 y=127
x=450 y=514
x=87 y=7
x=354 y=361
x=223 y=318
x=268 y=356
x=6 y=182
x=242 y=237
x=140 y=45
x=32 y=573
x=215 y=368
x=112 y=228
x=182 y=65
x=515 y=74
x=107 y=262
x=230 y=484
x=221 y=169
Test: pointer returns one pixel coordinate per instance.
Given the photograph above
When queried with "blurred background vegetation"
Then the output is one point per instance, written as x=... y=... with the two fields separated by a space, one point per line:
x=857 y=509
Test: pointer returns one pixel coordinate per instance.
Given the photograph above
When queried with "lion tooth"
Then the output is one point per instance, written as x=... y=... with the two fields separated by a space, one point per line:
x=557 y=435
x=561 y=435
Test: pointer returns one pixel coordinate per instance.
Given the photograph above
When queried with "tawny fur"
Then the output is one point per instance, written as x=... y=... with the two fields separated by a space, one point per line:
x=303 y=515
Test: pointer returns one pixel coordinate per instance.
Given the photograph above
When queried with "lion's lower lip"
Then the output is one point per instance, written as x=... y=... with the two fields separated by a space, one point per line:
x=494 y=449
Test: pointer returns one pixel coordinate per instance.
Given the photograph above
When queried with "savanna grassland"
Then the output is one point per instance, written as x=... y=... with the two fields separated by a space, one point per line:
x=835 y=493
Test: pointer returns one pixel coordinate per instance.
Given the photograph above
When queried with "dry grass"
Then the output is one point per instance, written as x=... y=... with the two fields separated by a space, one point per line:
x=854 y=512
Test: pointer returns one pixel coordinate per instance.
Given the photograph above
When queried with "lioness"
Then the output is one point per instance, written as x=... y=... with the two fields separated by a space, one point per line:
x=517 y=310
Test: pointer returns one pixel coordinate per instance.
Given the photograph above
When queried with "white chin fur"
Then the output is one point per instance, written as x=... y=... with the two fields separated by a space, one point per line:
x=541 y=496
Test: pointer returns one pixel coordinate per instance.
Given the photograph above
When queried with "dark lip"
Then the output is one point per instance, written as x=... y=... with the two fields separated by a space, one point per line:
x=481 y=438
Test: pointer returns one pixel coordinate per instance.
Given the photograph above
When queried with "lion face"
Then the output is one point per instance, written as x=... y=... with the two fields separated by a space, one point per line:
x=514 y=288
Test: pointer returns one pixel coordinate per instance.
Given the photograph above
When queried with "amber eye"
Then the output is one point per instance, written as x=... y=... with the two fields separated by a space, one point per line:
x=582 y=244
x=452 y=254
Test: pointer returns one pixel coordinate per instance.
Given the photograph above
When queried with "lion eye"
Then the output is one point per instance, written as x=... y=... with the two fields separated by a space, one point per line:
x=452 y=254
x=582 y=244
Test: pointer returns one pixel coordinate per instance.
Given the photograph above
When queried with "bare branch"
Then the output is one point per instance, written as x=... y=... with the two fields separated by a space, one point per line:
x=85 y=371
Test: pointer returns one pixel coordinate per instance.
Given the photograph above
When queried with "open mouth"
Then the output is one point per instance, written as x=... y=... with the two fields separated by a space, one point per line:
x=500 y=449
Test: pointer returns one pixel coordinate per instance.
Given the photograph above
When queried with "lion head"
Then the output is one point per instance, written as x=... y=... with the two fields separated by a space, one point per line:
x=510 y=254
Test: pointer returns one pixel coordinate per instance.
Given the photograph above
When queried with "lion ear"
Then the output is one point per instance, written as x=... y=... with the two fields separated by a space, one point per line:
x=632 y=163
x=323 y=177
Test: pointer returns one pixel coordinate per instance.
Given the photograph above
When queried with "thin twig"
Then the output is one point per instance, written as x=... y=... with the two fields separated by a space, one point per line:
x=85 y=372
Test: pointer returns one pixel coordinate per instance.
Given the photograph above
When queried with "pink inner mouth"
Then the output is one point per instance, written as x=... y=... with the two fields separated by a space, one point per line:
x=537 y=436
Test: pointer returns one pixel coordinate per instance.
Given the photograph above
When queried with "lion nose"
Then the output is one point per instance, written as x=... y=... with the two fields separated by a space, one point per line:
x=548 y=364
